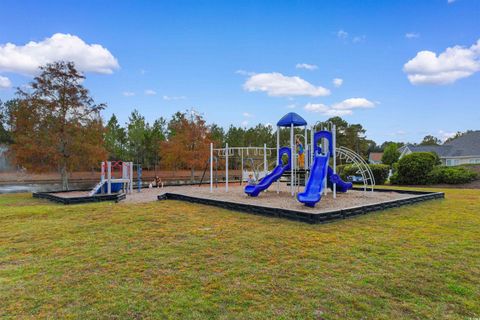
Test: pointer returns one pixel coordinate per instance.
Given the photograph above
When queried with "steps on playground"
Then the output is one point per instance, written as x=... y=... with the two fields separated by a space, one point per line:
x=298 y=172
x=301 y=175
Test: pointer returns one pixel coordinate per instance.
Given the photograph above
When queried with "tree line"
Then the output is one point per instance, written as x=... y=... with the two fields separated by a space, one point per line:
x=54 y=124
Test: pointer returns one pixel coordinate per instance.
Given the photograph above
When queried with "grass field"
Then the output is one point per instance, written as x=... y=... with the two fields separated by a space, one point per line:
x=175 y=260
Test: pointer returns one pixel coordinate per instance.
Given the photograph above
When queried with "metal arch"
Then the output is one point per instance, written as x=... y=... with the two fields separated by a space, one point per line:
x=364 y=170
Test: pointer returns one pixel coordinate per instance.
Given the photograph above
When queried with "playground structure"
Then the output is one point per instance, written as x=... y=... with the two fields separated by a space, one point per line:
x=247 y=156
x=109 y=184
x=315 y=171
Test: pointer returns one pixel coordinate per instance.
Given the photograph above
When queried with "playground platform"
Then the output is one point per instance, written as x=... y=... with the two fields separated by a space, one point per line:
x=78 y=196
x=283 y=205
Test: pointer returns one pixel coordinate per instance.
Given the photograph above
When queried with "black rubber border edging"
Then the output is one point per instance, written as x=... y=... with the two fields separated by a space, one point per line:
x=313 y=218
x=76 y=200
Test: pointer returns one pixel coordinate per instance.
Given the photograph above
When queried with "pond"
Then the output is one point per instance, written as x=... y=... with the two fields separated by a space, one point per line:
x=41 y=187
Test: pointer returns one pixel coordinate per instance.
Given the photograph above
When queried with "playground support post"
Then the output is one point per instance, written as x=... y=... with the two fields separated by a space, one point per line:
x=109 y=177
x=279 y=161
x=226 y=167
x=292 y=161
x=265 y=167
x=312 y=152
x=211 y=167
x=305 y=157
x=325 y=149
x=241 y=176
x=131 y=177
x=334 y=151
x=139 y=178
x=102 y=177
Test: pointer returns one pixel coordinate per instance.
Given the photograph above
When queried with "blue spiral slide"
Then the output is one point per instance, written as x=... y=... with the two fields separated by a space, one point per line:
x=273 y=176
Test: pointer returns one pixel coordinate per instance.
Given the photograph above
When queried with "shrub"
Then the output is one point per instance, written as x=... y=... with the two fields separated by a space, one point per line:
x=415 y=168
x=451 y=175
x=345 y=170
x=394 y=178
x=437 y=158
x=395 y=167
x=380 y=172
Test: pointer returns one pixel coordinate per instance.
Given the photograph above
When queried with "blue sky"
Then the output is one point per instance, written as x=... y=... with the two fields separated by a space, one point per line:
x=240 y=62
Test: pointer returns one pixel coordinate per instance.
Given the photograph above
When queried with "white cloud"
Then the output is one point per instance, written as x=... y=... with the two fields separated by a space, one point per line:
x=449 y=66
x=244 y=123
x=306 y=66
x=277 y=85
x=170 y=98
x=128 y=93
x=316 y=107
x=5 y=83
x=150 y=92
x=26 y=59
x=342 y=34
x=337 y=82
x=292 y=106
x=412 y=35
x=444 y=135
x=353 y=103
x=359 y=39
x=346 y=37
x=326 y=110
x=244 y=73
x=339 y=113
x=247 y=115
x=340 y=109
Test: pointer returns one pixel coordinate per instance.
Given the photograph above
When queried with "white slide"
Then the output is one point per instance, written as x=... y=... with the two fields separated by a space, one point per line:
x=96 y=188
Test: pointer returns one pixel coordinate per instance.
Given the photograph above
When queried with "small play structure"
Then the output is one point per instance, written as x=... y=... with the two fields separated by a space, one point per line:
x=310 y=162
x=109 y=183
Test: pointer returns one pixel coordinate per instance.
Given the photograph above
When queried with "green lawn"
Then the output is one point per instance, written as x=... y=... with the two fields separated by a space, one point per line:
x=180 y=261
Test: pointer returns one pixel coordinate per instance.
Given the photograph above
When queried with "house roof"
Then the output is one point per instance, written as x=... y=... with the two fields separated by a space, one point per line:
x=291 y=118
x=442 y=151
x=375 y=156
x=464 y=146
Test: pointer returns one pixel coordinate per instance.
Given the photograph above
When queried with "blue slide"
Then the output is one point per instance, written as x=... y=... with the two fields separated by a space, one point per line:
x=254 y=190
x=313 y=189
x=332 y=178
x=319 y=170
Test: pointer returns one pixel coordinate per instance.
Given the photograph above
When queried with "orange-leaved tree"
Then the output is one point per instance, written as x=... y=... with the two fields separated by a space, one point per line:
x=188 y=144
x=56 y=125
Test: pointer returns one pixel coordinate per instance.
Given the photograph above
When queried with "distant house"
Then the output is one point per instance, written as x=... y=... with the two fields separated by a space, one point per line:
x=375 y=157
x=462 y=150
